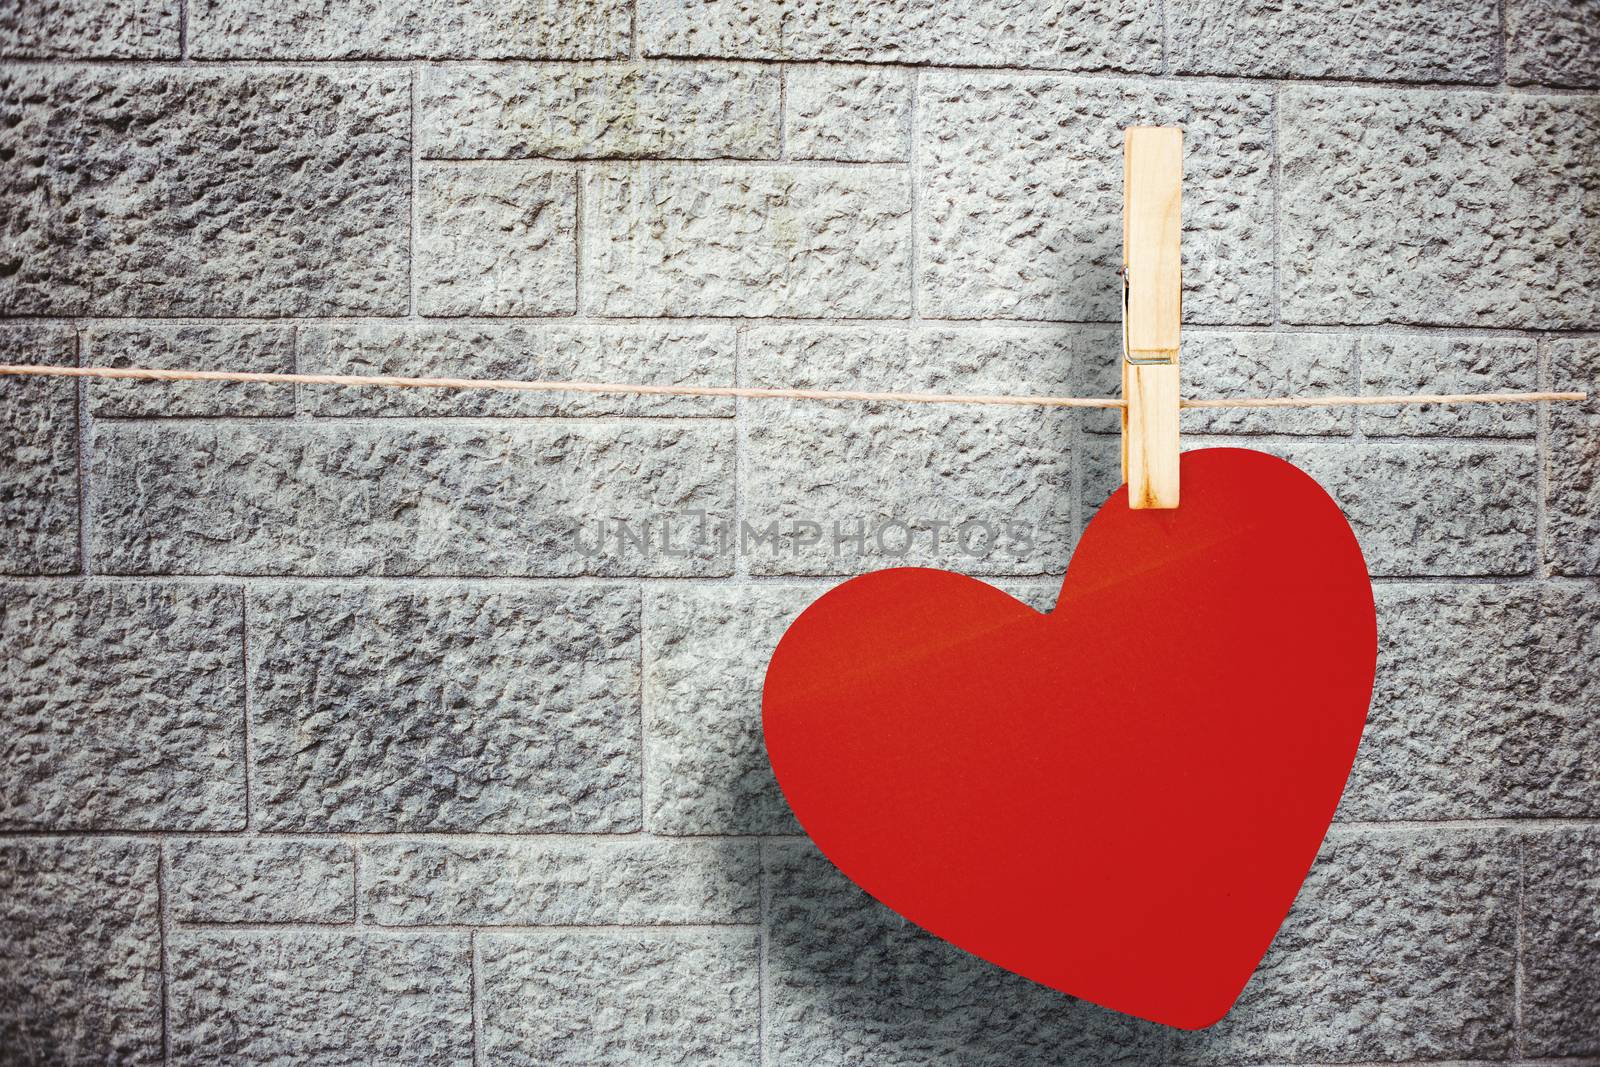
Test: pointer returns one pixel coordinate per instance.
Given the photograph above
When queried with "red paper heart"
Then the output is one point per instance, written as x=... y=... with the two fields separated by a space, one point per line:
x=1119 y=799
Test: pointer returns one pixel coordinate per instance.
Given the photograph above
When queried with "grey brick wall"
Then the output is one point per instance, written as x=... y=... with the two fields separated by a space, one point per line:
x=382 y=728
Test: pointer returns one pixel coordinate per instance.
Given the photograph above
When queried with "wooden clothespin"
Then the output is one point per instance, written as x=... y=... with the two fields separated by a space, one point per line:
x=1152 y=308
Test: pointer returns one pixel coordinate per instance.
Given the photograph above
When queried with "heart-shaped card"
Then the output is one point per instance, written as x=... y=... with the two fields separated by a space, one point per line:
x=1118 y=799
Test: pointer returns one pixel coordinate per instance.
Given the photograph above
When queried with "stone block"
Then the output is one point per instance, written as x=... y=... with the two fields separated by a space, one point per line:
x=123 y=707
x=80 y=951
x=329 y=996
x=669 y=354
x=496 y=239
x=328 y=499
x=1022 y=196
x=267 y=349
x=1438 y=208
x=446 y=709
x=638 y=111
x=261 y=880
x=570 y=999
x=39 y=435
x=134 y=190
x=747 y=241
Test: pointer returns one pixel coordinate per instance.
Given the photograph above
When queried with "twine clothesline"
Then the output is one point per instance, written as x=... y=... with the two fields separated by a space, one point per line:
x=754 y=393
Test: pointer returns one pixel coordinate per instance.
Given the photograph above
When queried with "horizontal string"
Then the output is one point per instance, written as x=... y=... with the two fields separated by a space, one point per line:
x=640 y=389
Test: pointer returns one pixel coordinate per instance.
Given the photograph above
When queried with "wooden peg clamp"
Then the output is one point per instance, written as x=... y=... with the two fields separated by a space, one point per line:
x=1152 y=308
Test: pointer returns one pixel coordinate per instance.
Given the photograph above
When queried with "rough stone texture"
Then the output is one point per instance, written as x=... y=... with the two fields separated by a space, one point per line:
x=638 y=111
x=291 y=196
x=706 y=651
x=1561 y=939
x=980 y=490
x=261 y=880
x=39 y=437
x=860 y=114
x=1259 y=364
x=848 y=981
x=1420 y=40
x=333 y=997
x=534 y=499
x=1022 y=196
x=121 y=707
x=1051 y=360
x=189 y=347
x=1411 y=364
x=382 y=29
x=90 y=29
x=1553 y=42
x=1572 y=464
x=1401 y=946
x=1458 y=727
x=1561 y=772
x=389 y=683
x=1419 y=509
x=1445 y=208
x=815 y=242
x=446 y=708
x=1058 y=34
x=496 y=239
x=634 y=996
x=560 y=883
x=1427 y=509
x=962 y=474
x=80 y=952
x=663 y=355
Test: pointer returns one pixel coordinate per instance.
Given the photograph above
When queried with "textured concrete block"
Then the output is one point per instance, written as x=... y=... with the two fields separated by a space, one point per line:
x=1258 y=364
x=39 y=437
x=320 y=996
x=635 y=996
x=1431 y=509
x=980 y=489
x=1058 y=35
x=1022 y=205
x=1561 y=941
x=1439 y=208
x=241 y=348
x=289 y=193
x=80 y=952
x=705 y=654
x=381 y=29
x=1401 y=946
x=1398 y=365
x=860 y=114
x=1572 y=501
x=744 y=29
x=1456 y=727
x=86 y=29
x=813 y=242
x=650 y=110
x=123 y=707
x=848 y=981
x=1422 y=40
x=560 y=883
x=1419 y=509
x=668 y=354
x=261 y=880
x=446 y=708
x=327 y=499
x=1552 y=42
x=1099 y=460
x=496 y=239
x=1559 y=767
x=1050 y=360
